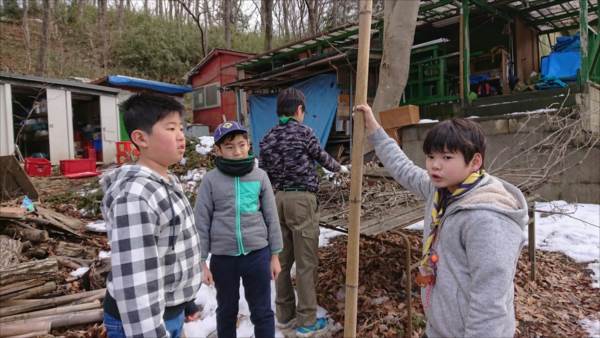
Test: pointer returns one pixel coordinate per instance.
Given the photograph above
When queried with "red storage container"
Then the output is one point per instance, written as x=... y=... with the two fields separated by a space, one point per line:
x=37 y=166
x=126 y=152
x=68 y=167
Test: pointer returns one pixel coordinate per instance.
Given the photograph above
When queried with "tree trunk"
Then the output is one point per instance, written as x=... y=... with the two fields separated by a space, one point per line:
x=45 y=269
x=103 y=29
x=54 y=311
x=42 y=63
x=31 y=292
x=400 y=21
x=145 y=6
x=120 y=9
x=286 y=18
x=311 y=6
x=227 y=22
x=26 y=35
x=266 y=9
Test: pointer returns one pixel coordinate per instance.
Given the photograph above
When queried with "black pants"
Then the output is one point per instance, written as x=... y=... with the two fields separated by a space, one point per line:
x=255 y=271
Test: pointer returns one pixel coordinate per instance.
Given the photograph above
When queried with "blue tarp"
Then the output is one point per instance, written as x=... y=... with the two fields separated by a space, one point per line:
x=321 y=94
x=162 y=87
x=564 y=61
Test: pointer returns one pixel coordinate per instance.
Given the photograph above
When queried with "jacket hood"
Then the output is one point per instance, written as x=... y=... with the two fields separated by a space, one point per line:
x=496 y=195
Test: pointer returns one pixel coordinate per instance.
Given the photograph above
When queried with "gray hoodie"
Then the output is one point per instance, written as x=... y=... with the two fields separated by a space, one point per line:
x=237 y=215
x=478 y=246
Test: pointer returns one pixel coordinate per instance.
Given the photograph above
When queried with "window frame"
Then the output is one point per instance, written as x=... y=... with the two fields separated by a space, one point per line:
x=204 y=88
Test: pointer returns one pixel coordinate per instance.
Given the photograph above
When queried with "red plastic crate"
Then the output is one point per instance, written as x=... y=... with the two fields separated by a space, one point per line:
x=37 y=166
x=124 y=146
x=68 y=167
x=126 y=152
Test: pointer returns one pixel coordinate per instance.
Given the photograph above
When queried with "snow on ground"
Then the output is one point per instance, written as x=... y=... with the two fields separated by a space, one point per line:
x=205 y=145
x=573 y=229
x=97 y=226
x=206 y=298
x=79 y=271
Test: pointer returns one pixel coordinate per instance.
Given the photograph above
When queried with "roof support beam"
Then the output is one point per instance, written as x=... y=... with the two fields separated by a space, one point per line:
x=543 y=5
x=583 y=38
x=492 y=10
x=559 y=17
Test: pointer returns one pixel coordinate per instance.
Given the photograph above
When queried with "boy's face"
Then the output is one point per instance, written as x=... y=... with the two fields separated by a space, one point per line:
x=448 y=169
x=166 y=144
x=236 y=148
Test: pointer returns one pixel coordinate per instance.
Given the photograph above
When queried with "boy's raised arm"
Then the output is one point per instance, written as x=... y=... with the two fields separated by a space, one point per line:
x=269 y=211
x=203 y=211
x=137 y=278
x=404 y=171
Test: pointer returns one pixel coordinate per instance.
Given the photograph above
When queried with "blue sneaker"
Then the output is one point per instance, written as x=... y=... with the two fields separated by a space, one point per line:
x=310 y=331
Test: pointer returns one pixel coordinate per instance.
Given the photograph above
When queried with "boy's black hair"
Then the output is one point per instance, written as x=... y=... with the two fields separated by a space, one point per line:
x=288 y=101
x=230 y=136
x=456 y=135
x=142 y=111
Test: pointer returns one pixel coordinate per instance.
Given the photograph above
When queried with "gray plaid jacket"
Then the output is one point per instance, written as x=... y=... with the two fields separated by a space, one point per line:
x=155 y=247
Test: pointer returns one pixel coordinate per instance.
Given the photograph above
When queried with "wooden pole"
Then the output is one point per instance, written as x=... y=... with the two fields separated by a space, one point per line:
x=362 y=77
x=466 y=50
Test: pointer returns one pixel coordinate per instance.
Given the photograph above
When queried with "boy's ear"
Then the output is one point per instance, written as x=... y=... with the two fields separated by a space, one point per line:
x=140 y=138
x=476 y=162
x=217 y=150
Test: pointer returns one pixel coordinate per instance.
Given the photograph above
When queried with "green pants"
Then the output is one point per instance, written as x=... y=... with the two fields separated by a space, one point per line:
x=299 y=218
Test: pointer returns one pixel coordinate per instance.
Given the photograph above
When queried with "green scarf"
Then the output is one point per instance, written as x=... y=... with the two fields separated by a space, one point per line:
x=235 y=168
x=286 y=119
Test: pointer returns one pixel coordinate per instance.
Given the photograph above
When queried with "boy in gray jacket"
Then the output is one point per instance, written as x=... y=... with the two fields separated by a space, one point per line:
x=473 y=229
x=236 y=217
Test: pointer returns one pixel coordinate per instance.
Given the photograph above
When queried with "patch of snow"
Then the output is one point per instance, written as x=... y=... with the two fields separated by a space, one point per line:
x=592 y=326
x=326 y=235
x=417 y=226
x=103 y=254
x=205 y=145
x=572 y=229
x=537 y=111
x=183 y=161
x=79 y=272
x=473 y=117
x=98 y=226
x=422 y=121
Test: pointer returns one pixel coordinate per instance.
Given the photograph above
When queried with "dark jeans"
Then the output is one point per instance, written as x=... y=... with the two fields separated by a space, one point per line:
x=114 y=326
x=255 y=271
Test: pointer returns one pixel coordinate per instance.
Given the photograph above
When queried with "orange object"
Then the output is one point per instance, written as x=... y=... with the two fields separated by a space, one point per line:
x=434 y=258
x=424 y=280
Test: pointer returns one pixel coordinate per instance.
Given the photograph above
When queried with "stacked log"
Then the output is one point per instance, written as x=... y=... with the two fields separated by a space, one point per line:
x=38 y=295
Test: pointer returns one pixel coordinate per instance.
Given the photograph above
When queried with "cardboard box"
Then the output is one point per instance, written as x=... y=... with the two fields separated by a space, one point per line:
x=393 y=133
x=399 y=117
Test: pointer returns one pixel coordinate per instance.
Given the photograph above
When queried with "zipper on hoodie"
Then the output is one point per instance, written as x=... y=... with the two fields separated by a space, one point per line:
x=238 y=225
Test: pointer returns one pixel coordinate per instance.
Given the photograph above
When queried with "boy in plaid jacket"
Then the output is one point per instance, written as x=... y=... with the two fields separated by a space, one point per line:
x=155 y=256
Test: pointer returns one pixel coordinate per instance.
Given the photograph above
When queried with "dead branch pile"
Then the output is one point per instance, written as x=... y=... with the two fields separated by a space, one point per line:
x=550 y=307
x=38 y=250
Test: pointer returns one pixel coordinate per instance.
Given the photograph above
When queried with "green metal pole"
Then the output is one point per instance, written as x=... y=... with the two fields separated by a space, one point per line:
x=467 y=50
x=583 y=35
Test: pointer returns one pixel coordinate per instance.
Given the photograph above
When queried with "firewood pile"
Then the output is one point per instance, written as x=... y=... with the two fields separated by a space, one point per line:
x=552 y=306
x=38 y=252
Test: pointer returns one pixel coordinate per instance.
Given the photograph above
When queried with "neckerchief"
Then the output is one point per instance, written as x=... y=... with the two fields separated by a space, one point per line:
x=235 y=167
x=285 y=119
x=441 y=199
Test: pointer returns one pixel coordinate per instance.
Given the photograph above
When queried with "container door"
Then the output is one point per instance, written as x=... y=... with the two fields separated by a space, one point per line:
x=60 y=125
x=109 y=119
x=7 y=140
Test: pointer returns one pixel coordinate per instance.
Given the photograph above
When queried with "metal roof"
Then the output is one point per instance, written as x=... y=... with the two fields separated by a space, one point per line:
x=42 y=82
x=157 y=86
x=545 y=15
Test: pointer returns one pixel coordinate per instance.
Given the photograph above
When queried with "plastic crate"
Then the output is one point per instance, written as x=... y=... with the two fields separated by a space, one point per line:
x=124 y=147
x=38 y=166
x=126 y=152
x=68 y=167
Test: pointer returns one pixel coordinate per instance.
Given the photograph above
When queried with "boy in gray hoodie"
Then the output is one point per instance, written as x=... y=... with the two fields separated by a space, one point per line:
x=155 y=257
x=236 y=217
x=473 y=229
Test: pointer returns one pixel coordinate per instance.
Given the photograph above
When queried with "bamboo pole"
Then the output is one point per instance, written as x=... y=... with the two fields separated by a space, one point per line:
x=54 y=311
x=362 y=77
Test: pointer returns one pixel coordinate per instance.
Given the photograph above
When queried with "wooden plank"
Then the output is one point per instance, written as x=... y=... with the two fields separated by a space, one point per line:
x=14 y=181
